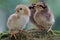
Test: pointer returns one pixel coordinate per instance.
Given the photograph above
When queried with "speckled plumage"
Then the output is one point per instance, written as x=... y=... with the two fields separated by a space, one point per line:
x=43 y=17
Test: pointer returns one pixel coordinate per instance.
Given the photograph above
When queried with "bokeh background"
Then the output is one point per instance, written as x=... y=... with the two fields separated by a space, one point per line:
x=7 y=7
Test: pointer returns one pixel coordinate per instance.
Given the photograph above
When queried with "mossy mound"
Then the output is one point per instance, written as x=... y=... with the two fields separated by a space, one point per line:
x=31 y=35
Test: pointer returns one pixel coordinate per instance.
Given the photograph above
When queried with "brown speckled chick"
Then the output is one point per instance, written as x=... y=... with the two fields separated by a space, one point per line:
x=43 y=18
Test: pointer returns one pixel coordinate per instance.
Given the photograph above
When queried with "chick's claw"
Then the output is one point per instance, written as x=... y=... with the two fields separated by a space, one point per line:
x=13 y=34
x=21 y=31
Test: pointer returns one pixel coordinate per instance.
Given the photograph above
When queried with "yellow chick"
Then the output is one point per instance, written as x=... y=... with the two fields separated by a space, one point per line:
x=17 y=21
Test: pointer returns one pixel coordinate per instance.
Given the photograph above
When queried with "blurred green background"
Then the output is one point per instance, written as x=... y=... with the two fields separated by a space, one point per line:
x=7 y=7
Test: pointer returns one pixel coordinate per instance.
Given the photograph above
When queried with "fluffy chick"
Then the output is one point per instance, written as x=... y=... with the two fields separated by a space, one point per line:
x=41 y=16
x=44 y=17
x=33 y=10
x=17 y=21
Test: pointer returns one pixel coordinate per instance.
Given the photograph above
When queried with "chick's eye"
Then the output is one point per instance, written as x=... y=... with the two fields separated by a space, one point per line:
x=20 y=8
x=42 y=6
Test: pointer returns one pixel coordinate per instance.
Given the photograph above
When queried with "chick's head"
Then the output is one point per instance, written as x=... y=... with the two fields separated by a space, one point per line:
x=41 y=6
x=22 y=10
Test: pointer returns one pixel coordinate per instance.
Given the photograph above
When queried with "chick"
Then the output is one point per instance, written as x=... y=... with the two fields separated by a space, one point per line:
x=42 y=17
x=33 y=10
x=17 y=21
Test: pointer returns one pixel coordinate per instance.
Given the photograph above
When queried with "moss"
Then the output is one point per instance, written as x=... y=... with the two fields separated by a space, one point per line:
x=31 y=35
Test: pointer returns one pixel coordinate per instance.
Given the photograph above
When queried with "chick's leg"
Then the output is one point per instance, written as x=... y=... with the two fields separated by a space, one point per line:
x=51 y=31
x=13 y=33
x=20 y=31
x=41 y=28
